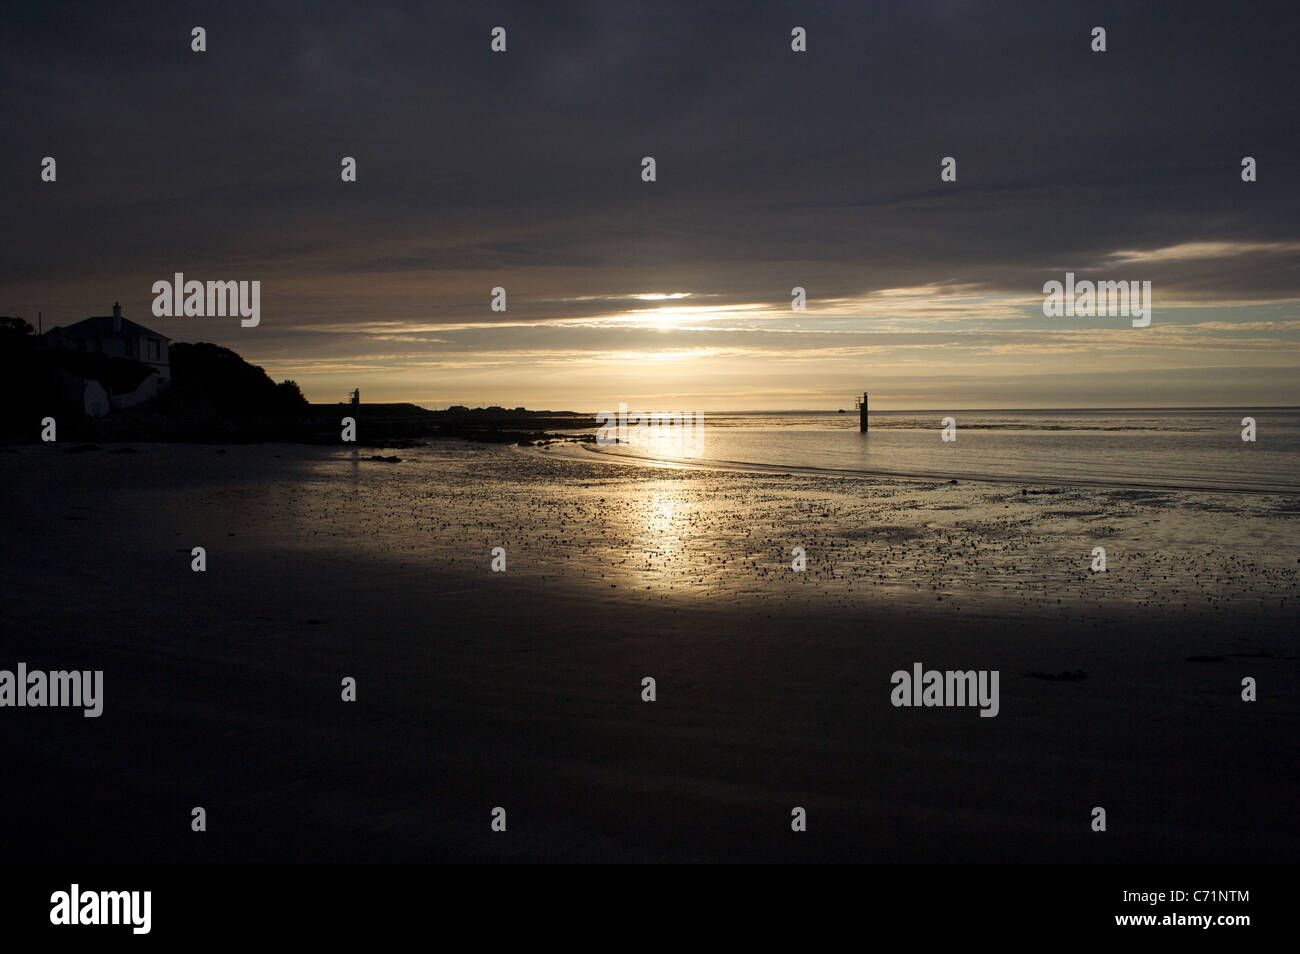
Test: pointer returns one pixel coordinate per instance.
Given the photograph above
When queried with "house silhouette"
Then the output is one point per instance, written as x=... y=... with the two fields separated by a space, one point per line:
x=116 y=337
x=97 y=382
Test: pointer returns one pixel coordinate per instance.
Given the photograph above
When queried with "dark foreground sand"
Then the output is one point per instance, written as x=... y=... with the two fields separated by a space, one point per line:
x=522 y=689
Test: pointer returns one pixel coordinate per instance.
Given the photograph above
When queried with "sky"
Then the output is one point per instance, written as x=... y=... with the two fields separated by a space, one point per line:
x=775 y=169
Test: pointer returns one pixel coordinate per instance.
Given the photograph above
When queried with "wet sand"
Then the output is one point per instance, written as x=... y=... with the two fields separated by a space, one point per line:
x=522 y=689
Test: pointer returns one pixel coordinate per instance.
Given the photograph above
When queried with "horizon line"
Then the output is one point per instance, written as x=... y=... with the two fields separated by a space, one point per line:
x=905 y=410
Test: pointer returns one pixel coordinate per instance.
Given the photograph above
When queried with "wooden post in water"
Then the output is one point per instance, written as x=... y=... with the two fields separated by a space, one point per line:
x=862 y=413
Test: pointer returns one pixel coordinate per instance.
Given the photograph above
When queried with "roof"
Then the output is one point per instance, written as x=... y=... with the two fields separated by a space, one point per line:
x=101 y=326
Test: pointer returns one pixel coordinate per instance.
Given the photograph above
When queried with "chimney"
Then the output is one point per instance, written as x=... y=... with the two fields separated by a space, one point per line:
x=117 y=317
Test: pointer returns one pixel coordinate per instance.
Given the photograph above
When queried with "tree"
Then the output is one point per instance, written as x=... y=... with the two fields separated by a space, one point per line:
x=14 y=327
x=289 y=397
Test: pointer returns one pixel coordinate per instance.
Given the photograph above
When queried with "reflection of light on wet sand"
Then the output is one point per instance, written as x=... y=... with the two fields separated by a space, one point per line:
x=659 y=532
x=617 y=527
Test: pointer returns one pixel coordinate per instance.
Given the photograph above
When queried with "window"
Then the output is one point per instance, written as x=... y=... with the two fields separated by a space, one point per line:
x=153 y=349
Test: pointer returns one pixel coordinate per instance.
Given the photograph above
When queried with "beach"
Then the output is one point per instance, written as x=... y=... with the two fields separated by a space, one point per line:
x=522 y=688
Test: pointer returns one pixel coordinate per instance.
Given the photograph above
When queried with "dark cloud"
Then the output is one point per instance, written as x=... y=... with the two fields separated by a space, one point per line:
x=523 y=170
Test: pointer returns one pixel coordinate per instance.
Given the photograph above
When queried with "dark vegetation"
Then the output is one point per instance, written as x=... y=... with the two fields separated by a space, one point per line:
x=217 y=397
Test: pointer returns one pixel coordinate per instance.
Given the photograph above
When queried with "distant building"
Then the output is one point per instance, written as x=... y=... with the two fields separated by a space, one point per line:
x=116 y=337
x=98 y=387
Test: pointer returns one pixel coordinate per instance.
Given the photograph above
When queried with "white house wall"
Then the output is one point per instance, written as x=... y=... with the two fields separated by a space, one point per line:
x=147 y=391
x=95 y=399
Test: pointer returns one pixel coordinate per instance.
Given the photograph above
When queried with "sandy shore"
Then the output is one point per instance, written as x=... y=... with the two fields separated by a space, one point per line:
x=522 y=689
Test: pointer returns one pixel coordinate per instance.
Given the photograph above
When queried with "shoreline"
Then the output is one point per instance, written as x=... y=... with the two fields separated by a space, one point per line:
x=948 y=477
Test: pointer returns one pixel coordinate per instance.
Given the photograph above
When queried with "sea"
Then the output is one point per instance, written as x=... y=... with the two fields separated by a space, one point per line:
x=1167 y=448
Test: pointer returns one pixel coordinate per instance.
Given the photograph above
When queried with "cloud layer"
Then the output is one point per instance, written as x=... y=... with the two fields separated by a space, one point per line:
x=775 y=169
